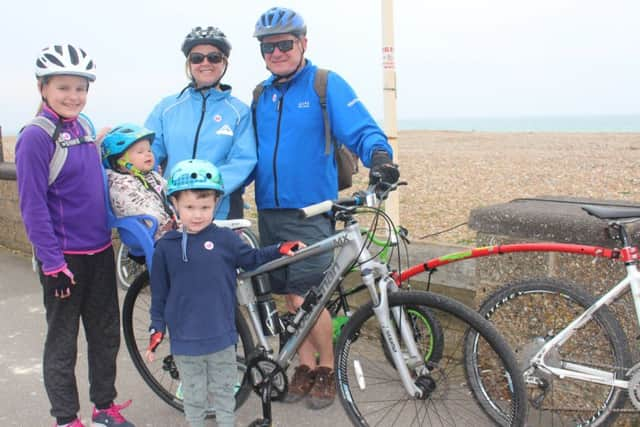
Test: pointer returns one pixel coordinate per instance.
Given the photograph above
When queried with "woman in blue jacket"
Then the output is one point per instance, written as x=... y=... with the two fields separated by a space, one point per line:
x=204 y=121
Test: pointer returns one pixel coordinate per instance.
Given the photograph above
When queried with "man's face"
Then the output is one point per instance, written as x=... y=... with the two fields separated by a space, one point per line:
x=281 y=62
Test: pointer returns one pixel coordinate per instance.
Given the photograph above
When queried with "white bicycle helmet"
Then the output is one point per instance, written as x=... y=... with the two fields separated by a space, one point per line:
x=65 y=59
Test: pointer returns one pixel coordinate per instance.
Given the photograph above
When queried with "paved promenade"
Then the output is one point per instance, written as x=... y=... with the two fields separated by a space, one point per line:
x=23 y=401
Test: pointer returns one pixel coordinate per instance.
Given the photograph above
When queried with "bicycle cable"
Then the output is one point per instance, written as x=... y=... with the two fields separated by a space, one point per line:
x=443 y=231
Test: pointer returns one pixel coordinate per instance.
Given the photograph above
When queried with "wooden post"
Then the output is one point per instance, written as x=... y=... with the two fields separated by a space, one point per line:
x=390 y=94
x=1 y=149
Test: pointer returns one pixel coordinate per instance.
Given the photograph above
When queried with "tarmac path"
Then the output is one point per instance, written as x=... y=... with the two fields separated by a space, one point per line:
x=23 y=401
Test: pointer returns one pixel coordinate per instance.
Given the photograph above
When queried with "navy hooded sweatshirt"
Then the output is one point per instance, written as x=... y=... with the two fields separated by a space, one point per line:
x=196 y=299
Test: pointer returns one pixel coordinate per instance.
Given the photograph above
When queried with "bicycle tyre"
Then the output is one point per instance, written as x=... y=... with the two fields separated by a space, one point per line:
x=540 y=307
x=160 y=377
x=427 y=331
x=127 y=269
x=372 y=394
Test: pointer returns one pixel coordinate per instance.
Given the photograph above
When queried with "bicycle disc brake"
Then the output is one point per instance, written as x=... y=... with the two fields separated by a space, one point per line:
x=262 y=370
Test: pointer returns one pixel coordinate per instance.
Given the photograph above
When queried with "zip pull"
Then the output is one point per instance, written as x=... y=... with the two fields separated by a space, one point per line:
x=279 y=104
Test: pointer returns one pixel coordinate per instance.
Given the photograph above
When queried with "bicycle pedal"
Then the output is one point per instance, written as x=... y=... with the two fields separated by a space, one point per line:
x=260 y=422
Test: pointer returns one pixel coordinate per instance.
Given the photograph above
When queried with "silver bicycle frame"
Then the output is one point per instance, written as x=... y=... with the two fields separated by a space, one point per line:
x=351 y=248
x=580 y=372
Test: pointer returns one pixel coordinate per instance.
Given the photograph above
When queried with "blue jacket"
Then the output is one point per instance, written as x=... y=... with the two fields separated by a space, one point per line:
x=293 y=169
x=70 y=215
x=197 y=299
x=226 y=136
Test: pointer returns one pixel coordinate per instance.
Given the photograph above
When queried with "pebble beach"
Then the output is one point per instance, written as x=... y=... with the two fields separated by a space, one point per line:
x=449 y=173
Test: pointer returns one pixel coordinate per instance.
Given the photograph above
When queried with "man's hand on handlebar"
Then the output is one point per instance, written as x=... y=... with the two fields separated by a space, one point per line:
x=382 y=169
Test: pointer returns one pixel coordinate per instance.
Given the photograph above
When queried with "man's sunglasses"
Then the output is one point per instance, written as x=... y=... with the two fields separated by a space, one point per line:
x=212 y=57
x=282 y=45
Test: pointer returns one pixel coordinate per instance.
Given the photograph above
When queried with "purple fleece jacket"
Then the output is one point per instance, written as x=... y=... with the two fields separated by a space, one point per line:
x=70 y=215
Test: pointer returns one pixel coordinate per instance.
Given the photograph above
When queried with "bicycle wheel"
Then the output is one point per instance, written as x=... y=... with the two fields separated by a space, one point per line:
x=372 y=393
x=427 y=332
x=249 y=237
x=531 y=312
x=127 y=269
x=162 y=376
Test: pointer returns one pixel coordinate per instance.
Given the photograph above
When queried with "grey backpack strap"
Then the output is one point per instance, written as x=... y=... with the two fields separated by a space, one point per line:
x=320 y=86
x=60 y=145
x=59 y=153
x=257 y=91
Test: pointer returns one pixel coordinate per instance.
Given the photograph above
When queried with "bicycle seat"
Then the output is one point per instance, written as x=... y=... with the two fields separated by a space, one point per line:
x=604 y=212
x=136 y=231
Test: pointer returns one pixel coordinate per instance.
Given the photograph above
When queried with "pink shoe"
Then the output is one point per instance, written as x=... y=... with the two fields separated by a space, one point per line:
x=111 y=416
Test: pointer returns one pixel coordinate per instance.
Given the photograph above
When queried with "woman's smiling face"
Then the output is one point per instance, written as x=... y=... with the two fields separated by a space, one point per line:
x=206 y=73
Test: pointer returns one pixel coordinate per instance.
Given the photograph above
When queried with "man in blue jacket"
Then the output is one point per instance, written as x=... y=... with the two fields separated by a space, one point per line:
x=294 y=170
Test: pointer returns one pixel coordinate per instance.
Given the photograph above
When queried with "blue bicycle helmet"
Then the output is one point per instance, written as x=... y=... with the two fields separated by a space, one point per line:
x=209 y=35
x=119 y=139
x=280 y=20
x=194 y=174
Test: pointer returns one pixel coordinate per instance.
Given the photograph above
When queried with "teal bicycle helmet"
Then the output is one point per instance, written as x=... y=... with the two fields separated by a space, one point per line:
x=119 y=139
x=209 y=35
x=280 y=20
x=194 y=174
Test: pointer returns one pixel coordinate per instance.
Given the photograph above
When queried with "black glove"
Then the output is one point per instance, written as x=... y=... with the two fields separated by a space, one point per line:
x=61 y=282
x=382 y=169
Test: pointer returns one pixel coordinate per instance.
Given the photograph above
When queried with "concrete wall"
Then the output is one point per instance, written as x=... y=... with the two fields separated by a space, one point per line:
x=560 y=220
x=12 y=234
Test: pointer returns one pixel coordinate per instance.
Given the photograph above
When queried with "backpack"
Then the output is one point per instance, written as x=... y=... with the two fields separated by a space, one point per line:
x=61 y=144
x=346 y=161
x=59 y=152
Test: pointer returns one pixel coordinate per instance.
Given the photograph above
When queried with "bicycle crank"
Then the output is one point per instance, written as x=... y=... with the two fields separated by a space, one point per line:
x=263 y=371
x=634 y=386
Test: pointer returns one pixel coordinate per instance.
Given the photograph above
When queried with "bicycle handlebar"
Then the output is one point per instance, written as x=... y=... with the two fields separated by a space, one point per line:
x=370 y=197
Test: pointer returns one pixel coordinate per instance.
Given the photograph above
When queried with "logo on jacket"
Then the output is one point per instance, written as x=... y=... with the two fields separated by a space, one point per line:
x=208 y=245
x=217 y=118
x=304 y=104
x=225 y=130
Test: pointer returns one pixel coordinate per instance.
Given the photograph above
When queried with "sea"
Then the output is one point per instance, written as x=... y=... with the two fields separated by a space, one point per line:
x=576 y=123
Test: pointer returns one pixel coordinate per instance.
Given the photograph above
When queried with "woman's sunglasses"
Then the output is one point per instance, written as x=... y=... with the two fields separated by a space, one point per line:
x=212 y=57
x=282 y=45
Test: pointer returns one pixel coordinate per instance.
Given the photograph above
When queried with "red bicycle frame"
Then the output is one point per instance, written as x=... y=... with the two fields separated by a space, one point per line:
x=624 y=255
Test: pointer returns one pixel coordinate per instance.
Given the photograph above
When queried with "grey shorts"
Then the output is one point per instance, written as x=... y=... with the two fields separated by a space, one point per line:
x=280 y=225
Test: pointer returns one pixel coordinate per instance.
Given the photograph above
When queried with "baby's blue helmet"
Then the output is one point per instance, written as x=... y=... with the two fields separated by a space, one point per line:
x=280 y=20
x=120 y=138
x=194 y=174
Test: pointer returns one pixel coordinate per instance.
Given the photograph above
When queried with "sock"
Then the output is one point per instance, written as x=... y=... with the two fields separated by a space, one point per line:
x=65 y=421
x=102 y=407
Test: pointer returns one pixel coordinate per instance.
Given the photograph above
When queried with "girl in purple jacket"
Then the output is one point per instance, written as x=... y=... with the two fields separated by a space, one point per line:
x=62 y=202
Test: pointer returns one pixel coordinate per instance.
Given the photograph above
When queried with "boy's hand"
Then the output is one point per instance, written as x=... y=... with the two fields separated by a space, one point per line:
x=289 y=248
x=154 y=342
x=101 y=134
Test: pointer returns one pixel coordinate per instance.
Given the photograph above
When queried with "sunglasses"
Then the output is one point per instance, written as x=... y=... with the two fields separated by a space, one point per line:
x=282 y=45
x=212 y=57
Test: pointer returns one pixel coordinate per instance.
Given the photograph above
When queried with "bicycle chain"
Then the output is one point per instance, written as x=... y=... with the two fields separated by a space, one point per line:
x=632 y=384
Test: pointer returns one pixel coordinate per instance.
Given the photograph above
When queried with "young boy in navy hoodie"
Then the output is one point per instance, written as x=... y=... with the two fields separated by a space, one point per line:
x=193 y=286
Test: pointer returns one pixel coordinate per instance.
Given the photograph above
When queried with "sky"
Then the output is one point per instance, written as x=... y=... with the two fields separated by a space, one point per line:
x=454 y=58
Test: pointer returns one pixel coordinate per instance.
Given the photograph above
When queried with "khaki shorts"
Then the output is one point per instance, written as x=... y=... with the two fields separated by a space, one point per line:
x=280 y=225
